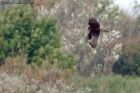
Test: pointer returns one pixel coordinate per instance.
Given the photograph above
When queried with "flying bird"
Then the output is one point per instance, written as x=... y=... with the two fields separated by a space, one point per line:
x=94 y=32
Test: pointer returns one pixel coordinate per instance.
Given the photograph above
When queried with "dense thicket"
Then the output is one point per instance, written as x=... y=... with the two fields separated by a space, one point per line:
x=39 y=39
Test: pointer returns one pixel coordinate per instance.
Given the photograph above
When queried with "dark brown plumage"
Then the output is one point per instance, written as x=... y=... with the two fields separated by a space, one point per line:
x=94 y=32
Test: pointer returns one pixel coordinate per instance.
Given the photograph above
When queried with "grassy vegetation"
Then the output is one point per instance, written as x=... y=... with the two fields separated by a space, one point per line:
x=18 y=77
x=109 y=84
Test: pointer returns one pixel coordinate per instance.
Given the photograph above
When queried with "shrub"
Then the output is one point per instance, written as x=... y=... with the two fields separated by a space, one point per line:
x=38 y=38
x=129 y=62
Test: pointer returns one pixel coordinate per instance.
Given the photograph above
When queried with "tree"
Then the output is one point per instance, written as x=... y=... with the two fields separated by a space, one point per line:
x=73 y=18
x=128 y=62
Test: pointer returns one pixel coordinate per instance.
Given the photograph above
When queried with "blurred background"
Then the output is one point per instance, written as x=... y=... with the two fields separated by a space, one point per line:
x=44 y=41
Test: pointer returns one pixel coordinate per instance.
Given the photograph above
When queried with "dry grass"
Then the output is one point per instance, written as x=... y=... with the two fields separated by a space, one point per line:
x=18 y=77
x=45 y=73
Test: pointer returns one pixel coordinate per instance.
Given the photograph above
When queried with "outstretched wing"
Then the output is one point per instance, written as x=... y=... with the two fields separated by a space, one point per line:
x=103 y=30
x=93 y=42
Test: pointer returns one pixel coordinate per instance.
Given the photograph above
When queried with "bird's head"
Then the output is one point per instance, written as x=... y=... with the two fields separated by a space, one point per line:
x=93 y=22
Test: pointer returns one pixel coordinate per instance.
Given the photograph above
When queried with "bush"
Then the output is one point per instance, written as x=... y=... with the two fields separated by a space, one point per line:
x=129 y=62
x=22 y=33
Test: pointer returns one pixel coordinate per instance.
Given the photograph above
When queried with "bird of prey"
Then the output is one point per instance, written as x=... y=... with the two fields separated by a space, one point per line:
x=94 y=32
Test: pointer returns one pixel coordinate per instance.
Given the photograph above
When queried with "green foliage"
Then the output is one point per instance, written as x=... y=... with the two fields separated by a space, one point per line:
x=15 y=30
x=45 y=39
x=107 y=84
x=129 y=62
x=22 y=33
